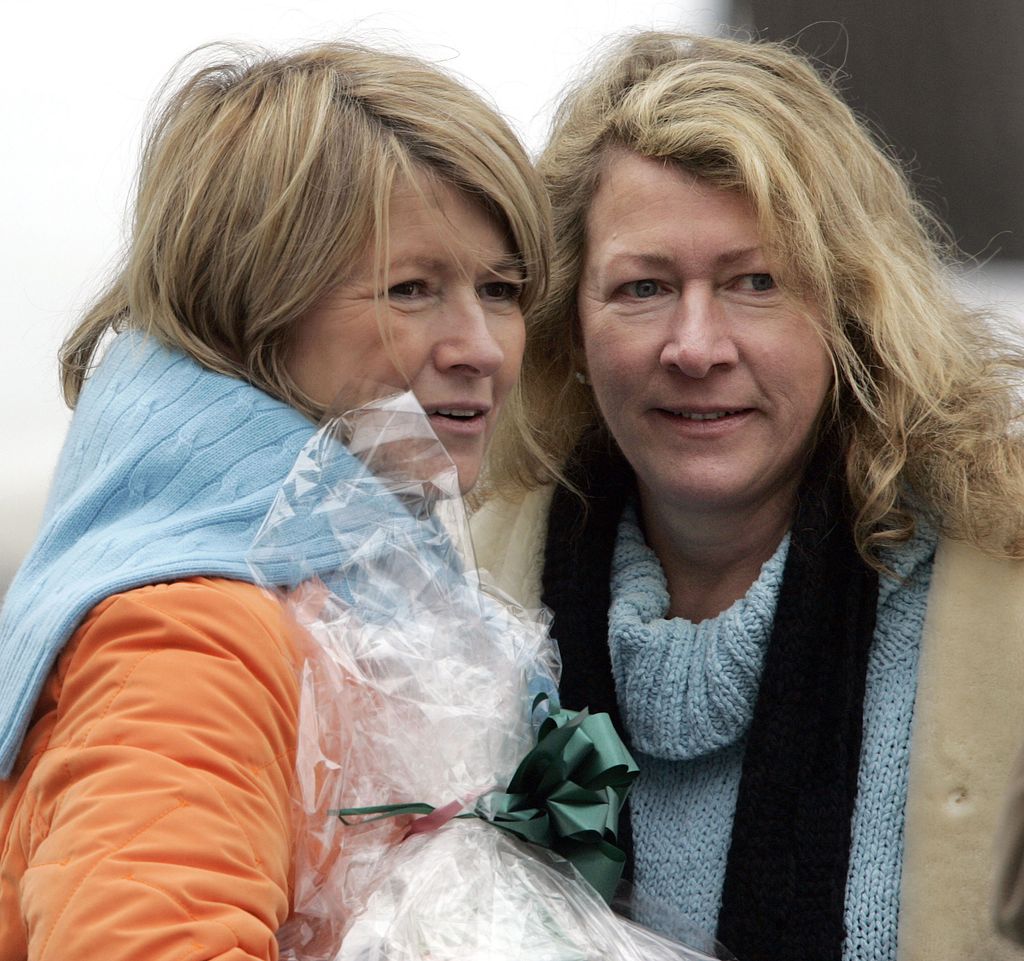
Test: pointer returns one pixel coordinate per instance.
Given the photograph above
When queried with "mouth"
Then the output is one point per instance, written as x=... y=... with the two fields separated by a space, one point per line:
x=465 y=419
x=459 y=414
x=704 y=415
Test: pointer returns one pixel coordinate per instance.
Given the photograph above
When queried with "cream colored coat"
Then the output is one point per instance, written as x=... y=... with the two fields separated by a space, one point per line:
x=968 y=725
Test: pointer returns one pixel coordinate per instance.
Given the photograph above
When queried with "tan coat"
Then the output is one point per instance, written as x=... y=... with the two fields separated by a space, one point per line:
x=968 y=725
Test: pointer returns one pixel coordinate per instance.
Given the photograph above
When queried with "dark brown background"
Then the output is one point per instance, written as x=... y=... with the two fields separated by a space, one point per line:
x=942 y=82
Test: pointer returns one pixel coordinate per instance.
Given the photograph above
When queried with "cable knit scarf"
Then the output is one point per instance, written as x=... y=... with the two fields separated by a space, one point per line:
x=167 y=472
x=786 y=875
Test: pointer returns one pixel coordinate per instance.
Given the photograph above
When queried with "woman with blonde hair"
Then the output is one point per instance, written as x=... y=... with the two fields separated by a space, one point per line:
x=307 y=226
x=775 y=507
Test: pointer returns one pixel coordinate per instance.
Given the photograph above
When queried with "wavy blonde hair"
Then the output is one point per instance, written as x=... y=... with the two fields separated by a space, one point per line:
x=925 y=399
x=265 y=177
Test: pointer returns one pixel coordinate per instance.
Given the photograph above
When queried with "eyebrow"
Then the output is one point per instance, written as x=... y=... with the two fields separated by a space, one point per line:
x=509 y=264
x=740 y=253
x=434 y=264
x=662 y=261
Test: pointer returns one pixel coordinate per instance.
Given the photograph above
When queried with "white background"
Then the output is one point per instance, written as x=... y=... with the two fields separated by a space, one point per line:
x=76 y=82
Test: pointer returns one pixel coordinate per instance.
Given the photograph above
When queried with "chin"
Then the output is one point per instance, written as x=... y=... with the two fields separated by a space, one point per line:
x=468 y=463
x=467 y=479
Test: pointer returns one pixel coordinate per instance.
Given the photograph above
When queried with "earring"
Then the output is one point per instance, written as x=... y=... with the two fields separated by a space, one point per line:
x=581 y=377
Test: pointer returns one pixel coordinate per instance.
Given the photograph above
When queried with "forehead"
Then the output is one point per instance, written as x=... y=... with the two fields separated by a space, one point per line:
x=428 y=225
x=657 y=206
x=425 y=209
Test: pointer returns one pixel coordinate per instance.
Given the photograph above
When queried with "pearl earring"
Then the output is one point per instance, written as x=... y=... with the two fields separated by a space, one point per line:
x=581 y=377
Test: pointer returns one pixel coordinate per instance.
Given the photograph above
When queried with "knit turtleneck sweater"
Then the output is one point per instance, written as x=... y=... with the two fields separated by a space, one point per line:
x=167 y=472
x=687 y=693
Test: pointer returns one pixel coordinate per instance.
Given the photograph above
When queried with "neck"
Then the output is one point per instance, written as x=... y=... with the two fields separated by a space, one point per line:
x=711 y=559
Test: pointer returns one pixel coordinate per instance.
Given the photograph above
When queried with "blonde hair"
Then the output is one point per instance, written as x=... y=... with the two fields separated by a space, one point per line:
x=925 y=398
x=265 y=177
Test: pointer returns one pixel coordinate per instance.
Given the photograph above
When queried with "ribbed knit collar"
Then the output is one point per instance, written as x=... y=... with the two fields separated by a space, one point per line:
x=167 y=472
x=684 y=689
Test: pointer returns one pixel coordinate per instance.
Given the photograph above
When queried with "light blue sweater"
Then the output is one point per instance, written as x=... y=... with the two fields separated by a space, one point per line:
x=167 y=472
x=687 y=692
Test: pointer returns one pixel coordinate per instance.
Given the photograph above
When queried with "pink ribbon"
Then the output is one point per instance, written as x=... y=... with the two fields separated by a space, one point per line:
x=437 y=818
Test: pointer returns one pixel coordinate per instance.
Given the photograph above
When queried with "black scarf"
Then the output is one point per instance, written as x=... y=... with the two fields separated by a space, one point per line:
x=785 y=883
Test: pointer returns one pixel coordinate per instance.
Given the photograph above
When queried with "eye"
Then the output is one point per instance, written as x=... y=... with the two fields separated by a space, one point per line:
x=641 y=289
x=501 y=290
x=758 y=283
x=407 y=289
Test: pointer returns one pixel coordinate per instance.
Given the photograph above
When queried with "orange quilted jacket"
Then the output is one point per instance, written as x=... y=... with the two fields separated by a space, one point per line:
x=148 y=816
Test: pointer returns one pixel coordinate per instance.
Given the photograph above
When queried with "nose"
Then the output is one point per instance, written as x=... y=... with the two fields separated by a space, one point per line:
x=469 y=345
x=698 y=339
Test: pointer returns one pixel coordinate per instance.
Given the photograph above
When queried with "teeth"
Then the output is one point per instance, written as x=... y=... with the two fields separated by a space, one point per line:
x=455 y=412
x=716 y=415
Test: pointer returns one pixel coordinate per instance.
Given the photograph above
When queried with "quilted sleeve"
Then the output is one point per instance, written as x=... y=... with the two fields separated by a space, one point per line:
x=161 y=825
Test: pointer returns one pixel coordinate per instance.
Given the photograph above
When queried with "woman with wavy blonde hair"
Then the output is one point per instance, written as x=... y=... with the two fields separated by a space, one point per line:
x=776 y=506
x=308 y=226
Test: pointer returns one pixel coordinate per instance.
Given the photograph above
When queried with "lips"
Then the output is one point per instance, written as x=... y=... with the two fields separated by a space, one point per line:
x=702 y=414
x=458 y=411
x=459 y=419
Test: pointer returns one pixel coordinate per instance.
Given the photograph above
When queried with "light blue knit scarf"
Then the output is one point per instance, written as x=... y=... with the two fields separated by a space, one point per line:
x=687 y=693
x=167 y=472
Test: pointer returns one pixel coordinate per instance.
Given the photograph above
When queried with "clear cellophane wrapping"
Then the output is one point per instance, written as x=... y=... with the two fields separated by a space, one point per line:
x=419 y=683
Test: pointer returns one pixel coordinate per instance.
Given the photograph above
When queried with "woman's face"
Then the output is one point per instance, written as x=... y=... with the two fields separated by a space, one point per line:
x=441 y=318
x=709 y=376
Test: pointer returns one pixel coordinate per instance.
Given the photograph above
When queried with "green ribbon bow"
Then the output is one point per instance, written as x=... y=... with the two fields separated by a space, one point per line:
x=566 y=795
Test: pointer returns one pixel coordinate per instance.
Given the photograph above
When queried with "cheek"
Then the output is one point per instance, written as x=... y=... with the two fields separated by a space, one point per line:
x=596 y=346
x=614 y=396
x=511 y=339
x=818 y=376
x=806 y=379
x=613 y=362
x=513 y=345
x=320 y=365
x=402 y=353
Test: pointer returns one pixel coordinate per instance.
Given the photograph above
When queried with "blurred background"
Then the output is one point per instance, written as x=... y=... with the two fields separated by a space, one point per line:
x=942 y=85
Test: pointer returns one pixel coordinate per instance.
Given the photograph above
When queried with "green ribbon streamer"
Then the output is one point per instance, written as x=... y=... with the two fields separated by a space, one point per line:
x=381 y=811
x=566 y=795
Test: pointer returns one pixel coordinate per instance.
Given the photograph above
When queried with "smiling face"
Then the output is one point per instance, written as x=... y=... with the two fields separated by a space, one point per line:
x=441 y=318
x=710 y=377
